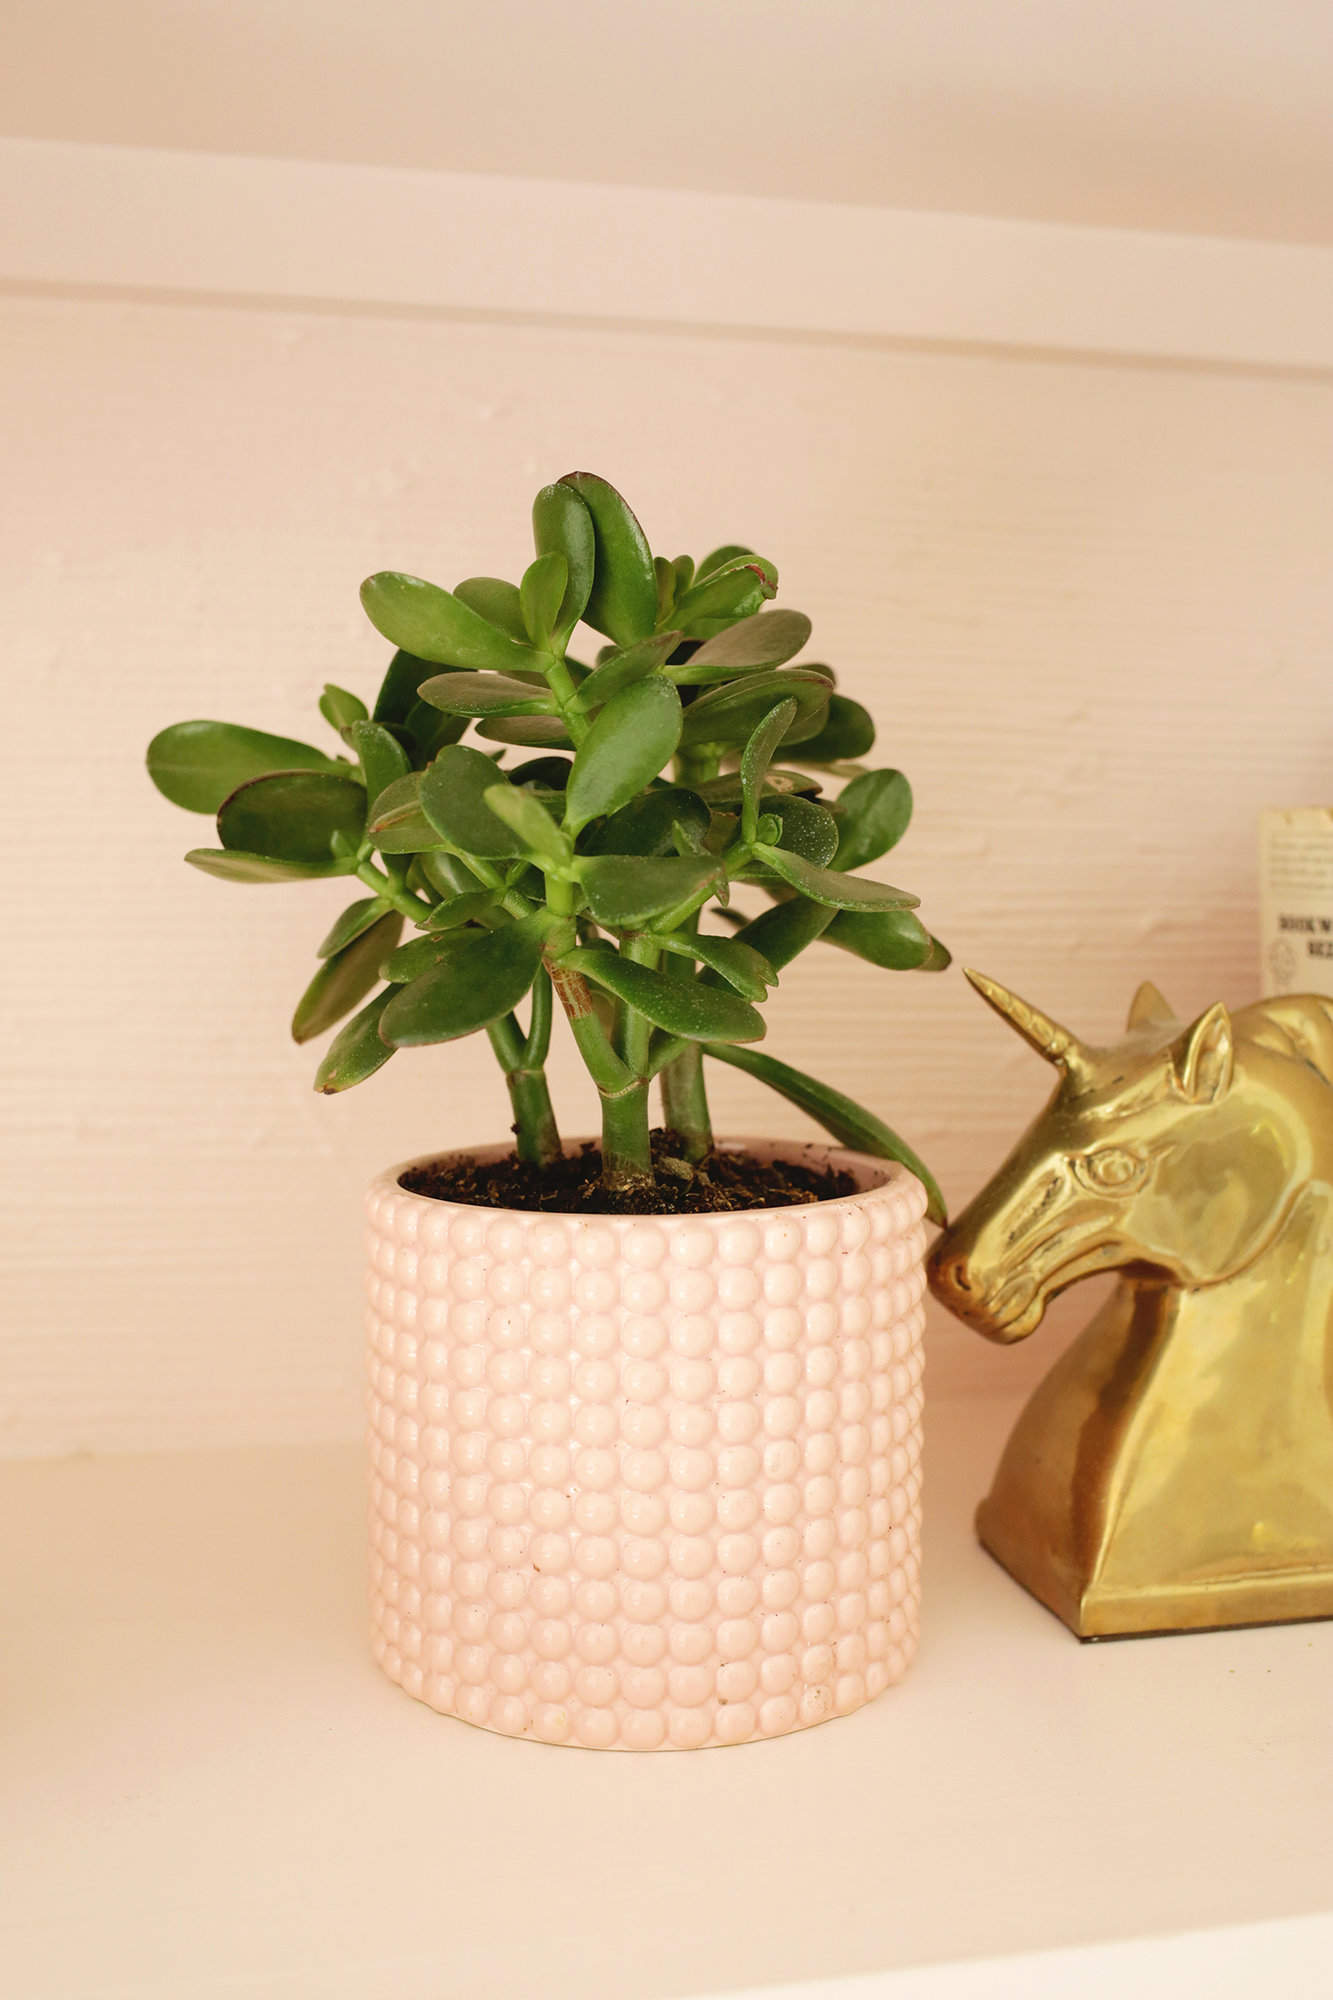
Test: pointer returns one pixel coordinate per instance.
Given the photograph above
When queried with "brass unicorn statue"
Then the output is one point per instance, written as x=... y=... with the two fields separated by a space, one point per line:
x=1174 y=1470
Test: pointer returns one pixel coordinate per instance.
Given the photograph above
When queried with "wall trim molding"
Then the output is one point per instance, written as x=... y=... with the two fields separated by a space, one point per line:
x=225 y=226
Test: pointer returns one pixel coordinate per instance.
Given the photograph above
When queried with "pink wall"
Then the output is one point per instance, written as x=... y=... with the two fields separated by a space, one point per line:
x=1089 y=602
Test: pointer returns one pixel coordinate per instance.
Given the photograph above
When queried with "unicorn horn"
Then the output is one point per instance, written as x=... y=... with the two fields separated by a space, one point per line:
x=1038 y=1030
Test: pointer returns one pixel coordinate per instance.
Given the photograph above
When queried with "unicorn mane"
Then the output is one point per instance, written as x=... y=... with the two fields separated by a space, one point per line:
x=1298 y=1026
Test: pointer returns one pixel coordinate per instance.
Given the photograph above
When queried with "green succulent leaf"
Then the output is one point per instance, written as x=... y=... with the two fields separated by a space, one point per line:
x=199 y=764
x=442 y=874
x=418 y=955
x=433 y=624
x=941 y=958
x=381 y=756
x=344 y=979
x=498 y=602
x=730 y=714
x=768 y=639
x=758 y=755
x=454 y=798
x=528 y=881
x=692 y=672
x=484 y=978
x=623 y=599
x=845 y=1120
x=783 y=932
x=230 y=865
x=727 y=790
x=683 y=1007
x=293 y=815
x=525 y=815
x=873 y=815
x=535 y=732
x=665 y=573
x=684 y=570
x=357 y=1050
x=541 y=594
x=848 y=733
x=725 y=597
x=725 y=557
x=468 y=907
x=398 y=821
x=631 y=739
x=485 y=694
x=804 y=827
x=338 y=707
x=354 y=922
x=562 y=525
x=398 y=690
x=825 y=885
x=625 y=666
x=895 y=940
x=646 y=825
x=626 y=890
x=428 y=729
x=548 y=774
x=731 y=958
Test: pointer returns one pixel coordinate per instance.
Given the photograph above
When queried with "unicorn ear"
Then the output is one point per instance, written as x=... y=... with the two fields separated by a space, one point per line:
x=1150 y=1005
x=1204 y=1059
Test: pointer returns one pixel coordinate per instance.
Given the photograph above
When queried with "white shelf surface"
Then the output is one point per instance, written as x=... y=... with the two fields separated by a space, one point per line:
x=208 y=1790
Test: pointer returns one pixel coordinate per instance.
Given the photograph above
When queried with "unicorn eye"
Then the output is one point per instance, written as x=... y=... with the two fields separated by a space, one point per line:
x=1110 y=1170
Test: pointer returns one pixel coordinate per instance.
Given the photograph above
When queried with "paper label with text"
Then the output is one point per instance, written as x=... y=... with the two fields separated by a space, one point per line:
x=1296 y=900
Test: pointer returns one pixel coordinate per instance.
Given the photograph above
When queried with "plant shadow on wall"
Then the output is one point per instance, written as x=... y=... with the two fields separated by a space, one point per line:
x=583 y=850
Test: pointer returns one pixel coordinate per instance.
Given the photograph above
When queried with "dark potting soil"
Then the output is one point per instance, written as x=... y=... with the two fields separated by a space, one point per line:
x=724 y=1181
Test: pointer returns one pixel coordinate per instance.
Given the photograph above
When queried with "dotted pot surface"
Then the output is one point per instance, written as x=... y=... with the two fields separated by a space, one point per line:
x=647 y=1482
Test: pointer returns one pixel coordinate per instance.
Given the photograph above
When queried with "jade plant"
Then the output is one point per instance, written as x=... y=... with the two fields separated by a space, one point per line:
x=585 y=846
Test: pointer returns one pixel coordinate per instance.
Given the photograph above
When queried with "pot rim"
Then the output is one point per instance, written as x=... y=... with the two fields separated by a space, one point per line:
x=873 y=1173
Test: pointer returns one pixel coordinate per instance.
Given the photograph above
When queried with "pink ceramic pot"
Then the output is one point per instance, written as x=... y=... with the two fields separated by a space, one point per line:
x=650 y=1482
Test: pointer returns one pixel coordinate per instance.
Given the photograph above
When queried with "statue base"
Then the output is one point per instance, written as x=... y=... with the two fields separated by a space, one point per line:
x=1135 y=1493
x=1093 y=1613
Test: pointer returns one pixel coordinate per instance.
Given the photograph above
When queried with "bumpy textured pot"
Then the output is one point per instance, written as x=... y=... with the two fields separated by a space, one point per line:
x=648 y=1482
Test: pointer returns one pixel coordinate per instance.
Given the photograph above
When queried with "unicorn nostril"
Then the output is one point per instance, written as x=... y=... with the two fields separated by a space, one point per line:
x=952 y=1273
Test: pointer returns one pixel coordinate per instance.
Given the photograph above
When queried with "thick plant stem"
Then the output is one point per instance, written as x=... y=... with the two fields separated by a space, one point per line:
x=685 y=1104
x=394 y=892
x=627 y=1160
x=635 y=1033
x=626 y=1141
x=536 y=1135
x=561 y=683
x=537 y=1045
x=684 y=1095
